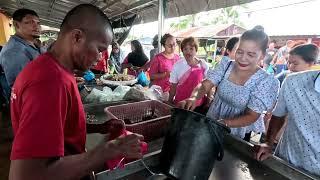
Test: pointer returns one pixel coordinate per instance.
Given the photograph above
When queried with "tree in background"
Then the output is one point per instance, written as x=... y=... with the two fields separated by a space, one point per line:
x=185 y=22
x=229 y=15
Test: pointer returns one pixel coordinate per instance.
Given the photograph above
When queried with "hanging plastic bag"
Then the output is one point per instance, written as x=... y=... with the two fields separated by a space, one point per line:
x=88 y=76
x=143 y=79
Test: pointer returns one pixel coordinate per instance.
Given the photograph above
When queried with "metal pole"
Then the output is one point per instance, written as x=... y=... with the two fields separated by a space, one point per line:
x=215 y=50
x=160 y=23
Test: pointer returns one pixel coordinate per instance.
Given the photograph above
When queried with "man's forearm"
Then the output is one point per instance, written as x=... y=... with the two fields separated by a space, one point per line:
x=275 y=125
x=76 y=166
x=65 y=168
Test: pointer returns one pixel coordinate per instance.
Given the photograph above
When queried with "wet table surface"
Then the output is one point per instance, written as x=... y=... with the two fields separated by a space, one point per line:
x=234 y=166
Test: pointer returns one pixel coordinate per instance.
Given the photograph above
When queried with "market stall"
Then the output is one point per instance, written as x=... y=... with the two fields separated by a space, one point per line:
x=236 y=164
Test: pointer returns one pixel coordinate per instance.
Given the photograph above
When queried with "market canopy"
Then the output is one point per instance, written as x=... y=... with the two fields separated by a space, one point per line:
x=52 y=12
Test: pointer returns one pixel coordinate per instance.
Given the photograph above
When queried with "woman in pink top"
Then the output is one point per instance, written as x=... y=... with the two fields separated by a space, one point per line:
x=162 y=63
x=187 y=73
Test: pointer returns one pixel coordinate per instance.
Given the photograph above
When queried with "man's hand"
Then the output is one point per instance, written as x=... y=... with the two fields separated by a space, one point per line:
x=262 y=152
x=128 y=146
x=188 y=104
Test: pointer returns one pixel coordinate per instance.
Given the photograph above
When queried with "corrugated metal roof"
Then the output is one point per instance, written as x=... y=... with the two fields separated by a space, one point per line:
x=210 y=31
x=52 y=12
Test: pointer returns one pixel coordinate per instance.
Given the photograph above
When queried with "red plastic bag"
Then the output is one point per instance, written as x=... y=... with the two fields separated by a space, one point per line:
x=116 y=129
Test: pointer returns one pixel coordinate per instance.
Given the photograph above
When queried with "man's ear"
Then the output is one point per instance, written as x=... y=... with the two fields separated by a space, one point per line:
x=16 y=24
x=78 y=36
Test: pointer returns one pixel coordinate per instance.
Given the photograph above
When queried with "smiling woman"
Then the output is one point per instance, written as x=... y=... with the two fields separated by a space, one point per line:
x=244 y=90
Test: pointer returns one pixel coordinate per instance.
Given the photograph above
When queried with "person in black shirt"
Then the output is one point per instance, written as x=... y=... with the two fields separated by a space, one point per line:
x=137 y=60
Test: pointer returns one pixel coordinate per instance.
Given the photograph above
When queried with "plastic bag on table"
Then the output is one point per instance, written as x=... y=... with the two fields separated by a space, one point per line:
x=136 y=95
x=120 y=92
x=157 y=92
x=105 y=97
x=143 y=79
x=138 y=86
x=107 y=90
x=94 y=96
x=117 y=96
x=122 y=89
x=88 y=76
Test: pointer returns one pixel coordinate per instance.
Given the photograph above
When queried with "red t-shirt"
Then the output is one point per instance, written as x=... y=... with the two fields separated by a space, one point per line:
x=47 y=114
x=102 y=65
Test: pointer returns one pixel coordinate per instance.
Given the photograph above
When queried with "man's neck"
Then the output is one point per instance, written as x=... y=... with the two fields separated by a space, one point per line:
x=58 y=52
x=29 y=39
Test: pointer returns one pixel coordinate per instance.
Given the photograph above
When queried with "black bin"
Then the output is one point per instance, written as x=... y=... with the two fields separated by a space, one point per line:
x=192 y=144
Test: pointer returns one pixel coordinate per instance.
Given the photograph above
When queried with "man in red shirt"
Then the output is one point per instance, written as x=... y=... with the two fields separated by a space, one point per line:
x=47 y=114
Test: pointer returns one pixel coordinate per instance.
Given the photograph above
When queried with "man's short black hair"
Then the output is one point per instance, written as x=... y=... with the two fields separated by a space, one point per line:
x=19 y=14
x=75 y=18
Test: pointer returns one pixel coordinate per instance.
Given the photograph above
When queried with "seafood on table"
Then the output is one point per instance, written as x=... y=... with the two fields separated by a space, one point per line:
x=119 y=77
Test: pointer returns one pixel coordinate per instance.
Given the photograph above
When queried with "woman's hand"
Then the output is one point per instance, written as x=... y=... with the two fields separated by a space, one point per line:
x=207 y=102
x=188 y=104
x=262 y=152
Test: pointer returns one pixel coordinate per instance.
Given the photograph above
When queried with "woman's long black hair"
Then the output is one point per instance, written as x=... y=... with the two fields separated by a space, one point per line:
x=137 y=57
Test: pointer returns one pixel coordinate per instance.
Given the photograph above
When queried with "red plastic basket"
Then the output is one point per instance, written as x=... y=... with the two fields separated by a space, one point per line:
x=148 y=118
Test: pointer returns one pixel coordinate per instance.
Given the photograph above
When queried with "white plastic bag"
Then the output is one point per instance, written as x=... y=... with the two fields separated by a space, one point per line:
x=120 y=92
x=156 y=92
x=107 y=90
x=94 y=96
x=122 y=89
x=136 y=95
x=103 y=97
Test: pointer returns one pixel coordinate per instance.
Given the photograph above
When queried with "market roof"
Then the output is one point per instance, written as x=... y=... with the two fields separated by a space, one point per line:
x=224 y=30
x=52 y=12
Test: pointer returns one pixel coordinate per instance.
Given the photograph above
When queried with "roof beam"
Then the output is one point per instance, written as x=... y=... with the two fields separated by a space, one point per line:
x=108 y=4
x=51 y=7
x=50 y=23
x=133 y=6
x=93 y=2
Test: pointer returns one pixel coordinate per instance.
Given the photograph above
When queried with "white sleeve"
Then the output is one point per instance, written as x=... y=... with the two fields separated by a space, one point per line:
x=205 y=65
x=174 y=74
